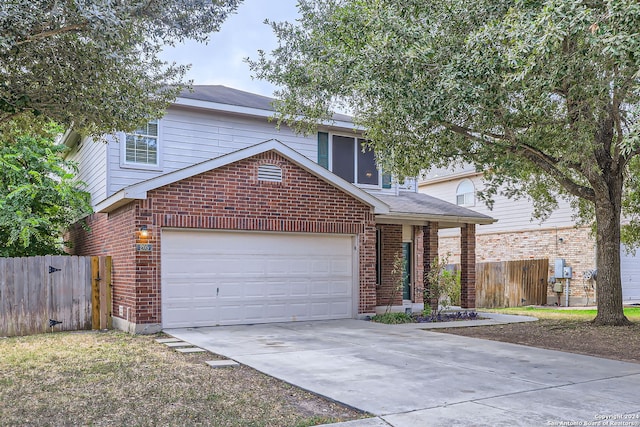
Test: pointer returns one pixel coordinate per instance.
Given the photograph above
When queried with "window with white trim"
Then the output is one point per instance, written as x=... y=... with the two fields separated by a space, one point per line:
x=466 y=193
x=141 y=145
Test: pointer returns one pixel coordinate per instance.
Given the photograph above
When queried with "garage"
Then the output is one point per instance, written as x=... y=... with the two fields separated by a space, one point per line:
x=227 y=278
x=630 y=272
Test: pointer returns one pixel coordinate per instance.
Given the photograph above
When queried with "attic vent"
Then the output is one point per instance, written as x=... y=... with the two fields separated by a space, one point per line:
x=271 y=173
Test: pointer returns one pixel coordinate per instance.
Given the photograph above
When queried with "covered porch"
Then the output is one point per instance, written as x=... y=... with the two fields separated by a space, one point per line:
x=407 y=244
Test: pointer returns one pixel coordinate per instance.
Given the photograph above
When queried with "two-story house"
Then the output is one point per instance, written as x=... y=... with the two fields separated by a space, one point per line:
x=215 y=217
x=517 y=236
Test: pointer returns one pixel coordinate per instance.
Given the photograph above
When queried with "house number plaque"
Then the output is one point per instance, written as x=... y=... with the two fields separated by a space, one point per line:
x=144 y=247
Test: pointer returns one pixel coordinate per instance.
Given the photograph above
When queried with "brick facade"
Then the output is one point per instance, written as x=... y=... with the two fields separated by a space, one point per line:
x=468 y=266
x=229 y=198
x=232 y=197
x=114 y=235
x=391 y=250
x=389 y=293
x=430 y=250
x=418 y=277
x=575 y=245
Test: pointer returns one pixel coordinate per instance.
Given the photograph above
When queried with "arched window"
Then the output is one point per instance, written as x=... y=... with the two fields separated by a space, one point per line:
x=466 y=193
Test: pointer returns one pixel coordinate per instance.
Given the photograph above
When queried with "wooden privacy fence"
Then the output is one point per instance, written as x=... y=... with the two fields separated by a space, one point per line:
x=45 y=293
x=511 y=283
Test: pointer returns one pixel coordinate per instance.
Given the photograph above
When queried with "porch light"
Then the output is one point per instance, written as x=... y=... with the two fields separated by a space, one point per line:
x=144 y=233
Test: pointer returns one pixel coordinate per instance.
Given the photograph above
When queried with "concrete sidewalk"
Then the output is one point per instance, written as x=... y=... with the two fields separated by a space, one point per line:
x=407 y=376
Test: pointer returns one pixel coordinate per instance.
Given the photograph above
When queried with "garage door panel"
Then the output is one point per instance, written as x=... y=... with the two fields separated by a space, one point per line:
x=339 y=266
x=299 y=289
x=215 y=277
x=340 y=288
x=253 y=289
x=278 y=290
x=279 y=266
x=321 y=266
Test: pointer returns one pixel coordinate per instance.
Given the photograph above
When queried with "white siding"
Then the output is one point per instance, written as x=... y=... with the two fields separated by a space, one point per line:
x=512 y=215
x=187 y=137
x=630 y=271
x=91 y=157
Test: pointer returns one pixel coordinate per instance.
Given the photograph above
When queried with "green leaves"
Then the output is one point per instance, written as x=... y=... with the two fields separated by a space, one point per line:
x=94 y=63
x=39 y=197
x=545 y=91
x=543 y=95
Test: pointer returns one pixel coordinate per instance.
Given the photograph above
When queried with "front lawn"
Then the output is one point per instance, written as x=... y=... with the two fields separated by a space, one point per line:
x=112 y=378
x=632 y=313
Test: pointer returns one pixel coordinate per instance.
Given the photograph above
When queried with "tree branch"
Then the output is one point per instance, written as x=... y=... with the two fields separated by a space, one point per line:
x=535 y=156
x=470 y=133
x=45 y=34
x=577 y=190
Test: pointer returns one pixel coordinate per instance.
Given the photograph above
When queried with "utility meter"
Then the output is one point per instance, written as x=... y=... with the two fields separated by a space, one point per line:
x=558 y=271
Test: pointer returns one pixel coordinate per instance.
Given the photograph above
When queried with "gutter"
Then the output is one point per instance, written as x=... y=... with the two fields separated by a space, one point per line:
x=436 y=218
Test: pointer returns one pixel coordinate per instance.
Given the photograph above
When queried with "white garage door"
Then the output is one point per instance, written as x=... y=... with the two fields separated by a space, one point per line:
x=630 y=271
x=227 y=278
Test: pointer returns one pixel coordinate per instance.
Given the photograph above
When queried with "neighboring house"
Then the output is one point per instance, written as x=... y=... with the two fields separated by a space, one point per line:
x=215 y=217
x=517 y=236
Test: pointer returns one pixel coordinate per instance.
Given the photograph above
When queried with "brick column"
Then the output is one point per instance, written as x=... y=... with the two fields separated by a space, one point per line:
x=418 y=275
x=468 y=266
x=430 y=252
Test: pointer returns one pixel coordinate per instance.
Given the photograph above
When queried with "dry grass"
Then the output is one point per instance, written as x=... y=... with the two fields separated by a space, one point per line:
x=565 y=330
x=113 y=378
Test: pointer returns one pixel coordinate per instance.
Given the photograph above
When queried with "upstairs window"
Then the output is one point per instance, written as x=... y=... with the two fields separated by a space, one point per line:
x=466 y=193
x=141 y=146
x=344 y=156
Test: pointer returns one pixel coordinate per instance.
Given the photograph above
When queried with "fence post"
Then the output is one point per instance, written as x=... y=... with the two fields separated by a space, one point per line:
x=107 y=281
x=95 y=292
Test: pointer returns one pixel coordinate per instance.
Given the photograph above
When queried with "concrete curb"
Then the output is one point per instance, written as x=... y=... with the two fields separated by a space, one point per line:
x=490 y=319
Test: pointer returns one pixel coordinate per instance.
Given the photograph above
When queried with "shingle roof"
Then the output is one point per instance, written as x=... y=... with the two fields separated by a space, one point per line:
x=226 y=95
x=229 y=96
x=419 y=204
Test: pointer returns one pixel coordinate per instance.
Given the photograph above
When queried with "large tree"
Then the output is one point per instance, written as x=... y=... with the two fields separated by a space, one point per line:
x=39 y=195
x=542 y=95
x=93 y=63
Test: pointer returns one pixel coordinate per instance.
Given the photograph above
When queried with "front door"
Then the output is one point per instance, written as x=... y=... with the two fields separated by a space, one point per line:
x=406 y=271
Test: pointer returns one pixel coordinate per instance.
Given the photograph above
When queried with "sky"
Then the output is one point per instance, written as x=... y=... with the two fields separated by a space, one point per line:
x=220 y=62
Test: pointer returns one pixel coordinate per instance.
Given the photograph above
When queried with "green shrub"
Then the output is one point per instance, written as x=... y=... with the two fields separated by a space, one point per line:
x=442 y=285
x=392 y=318
x=453 y=277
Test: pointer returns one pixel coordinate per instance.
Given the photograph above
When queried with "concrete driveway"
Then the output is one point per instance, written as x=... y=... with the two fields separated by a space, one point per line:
x=411 y=377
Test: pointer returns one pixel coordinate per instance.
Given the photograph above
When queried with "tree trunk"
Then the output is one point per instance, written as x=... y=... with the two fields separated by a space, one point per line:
x=609 y=282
